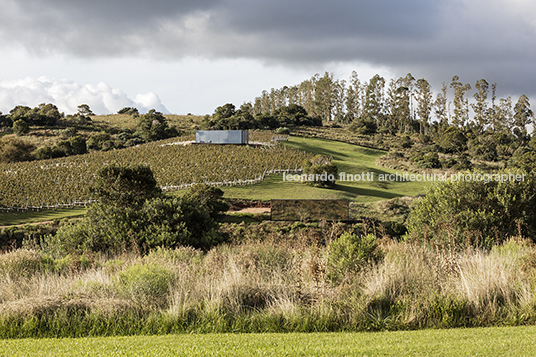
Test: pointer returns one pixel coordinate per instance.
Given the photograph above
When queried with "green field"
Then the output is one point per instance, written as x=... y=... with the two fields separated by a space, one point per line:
x=502 y=341
x=350 y=159
x=17 y=218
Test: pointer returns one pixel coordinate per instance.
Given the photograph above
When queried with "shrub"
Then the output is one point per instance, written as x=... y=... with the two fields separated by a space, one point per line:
x=405 y=142
x=146 y=285
x=282 y=131
x=20 y=127
x=125 y=186
x=453 y=141
x=349 y=254
x=475 y=212
x=320 y=171
x=14 y=149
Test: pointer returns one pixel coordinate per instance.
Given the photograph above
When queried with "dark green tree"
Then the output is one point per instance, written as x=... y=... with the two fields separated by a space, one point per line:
x=20 y=127
x=84 y=109
x=523 y=116
x=154 y=126
x=125 y=186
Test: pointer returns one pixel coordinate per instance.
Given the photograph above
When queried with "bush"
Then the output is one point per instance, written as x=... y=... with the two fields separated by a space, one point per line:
x=320 y=171
x=282 y=131
x=146 y=285
x=14 y=149
x=429 y=160
x=208 y=198
x=20 y=127
x=125 y=186
x=405 y=142
x=453 y=140
x=475 y=212
x=349 y=254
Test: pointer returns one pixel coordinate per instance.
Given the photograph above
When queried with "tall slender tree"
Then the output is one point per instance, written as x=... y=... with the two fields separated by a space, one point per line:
x=441 y=107
x=424 y=104
x=373 y=105
x=480 y=106
x=461 y=110
x=353 y=97
x=523 y=116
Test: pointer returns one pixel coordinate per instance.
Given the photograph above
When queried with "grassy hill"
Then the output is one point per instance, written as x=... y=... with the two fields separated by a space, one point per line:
x=350 y=159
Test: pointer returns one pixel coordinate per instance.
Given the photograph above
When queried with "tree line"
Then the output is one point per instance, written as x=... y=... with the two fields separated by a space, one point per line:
x=403 y=105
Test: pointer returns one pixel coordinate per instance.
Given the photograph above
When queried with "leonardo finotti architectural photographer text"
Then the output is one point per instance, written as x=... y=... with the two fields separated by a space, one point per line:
x=404 y=177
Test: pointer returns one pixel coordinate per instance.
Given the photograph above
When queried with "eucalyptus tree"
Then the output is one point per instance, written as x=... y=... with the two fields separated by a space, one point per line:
x=441 y=107
x=323 y=92
x=505 y=116
x=306 y=94
x=480 y=106
x=373 y=107
x=400 y=104
x=424 y=104
x=292 y=95
x=523 y=116
x=494 y=120
x=339 y=96
x=461 y=109
x=353 y=97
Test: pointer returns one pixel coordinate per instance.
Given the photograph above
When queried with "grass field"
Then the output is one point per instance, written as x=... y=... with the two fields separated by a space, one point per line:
x=18 y=218
x=502 y=341
x=350 y=159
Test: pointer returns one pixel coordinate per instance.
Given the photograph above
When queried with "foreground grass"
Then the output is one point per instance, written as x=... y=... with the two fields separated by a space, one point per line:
x=276 y=285
x=501 y=341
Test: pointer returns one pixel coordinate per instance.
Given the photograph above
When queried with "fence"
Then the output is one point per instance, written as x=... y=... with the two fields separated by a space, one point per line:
x=167 y=188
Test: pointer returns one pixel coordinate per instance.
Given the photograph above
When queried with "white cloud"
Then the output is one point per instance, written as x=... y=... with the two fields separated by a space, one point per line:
x=68 y=95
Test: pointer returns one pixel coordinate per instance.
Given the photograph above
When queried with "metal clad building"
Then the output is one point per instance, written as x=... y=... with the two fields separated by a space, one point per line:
x=221 y=137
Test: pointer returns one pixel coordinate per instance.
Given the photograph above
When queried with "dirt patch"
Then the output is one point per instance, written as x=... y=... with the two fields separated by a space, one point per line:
x=252 y=210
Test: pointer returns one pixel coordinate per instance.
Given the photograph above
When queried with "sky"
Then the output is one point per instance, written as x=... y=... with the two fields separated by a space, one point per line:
x=190 y=56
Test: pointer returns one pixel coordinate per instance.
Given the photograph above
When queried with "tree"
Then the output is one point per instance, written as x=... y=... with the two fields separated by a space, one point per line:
x=440 y=107
x=424 y=103
x=20 y=127
x=208 y=198
x=353 y=97
x=480 y=106
x=461 y=111
x=154 y=126
x=323 y=94
x=400 y=104
x=132 y=212
x=46 y=115
x=523 y=116
x=124 y=186
x=83 y=109
x=373 y=100
x=129 y=111
x=5 y=121
x=504 y=116
x=339 y=94
x=476 y=213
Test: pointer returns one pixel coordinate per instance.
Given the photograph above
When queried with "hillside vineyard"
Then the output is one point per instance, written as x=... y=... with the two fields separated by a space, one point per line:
x=66 y=181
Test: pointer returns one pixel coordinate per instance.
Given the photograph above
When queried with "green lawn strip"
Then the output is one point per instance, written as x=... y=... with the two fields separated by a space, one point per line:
x=493 y=341
x=351 y=159
x=18 y=218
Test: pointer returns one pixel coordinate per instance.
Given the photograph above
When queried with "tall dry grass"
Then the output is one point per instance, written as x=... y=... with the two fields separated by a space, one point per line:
x=273 y=285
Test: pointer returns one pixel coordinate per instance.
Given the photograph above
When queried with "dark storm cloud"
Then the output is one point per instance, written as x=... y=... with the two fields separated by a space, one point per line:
x=433 y=39
x=308 y=21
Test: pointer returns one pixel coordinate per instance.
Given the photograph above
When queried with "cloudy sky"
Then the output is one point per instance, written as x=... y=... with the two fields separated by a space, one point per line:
x=182 y=56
